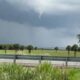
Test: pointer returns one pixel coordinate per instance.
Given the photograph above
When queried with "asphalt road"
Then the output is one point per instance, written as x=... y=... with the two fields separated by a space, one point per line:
x=33 y=63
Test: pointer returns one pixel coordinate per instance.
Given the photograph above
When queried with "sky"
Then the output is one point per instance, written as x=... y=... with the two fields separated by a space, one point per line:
x=42 y=23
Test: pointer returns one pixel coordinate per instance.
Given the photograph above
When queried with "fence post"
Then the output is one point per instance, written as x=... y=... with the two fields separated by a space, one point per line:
x=15 y=57
x=66 y=64
x=40 y=59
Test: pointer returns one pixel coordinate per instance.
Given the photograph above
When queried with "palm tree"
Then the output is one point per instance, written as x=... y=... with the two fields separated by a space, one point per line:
x=22 y=48
x=75 y=48
x=56 y=48
x=5 y=47
x=79 y=49
x=36 y=48
x=1 y=47
x=68 y=48
x=29 y=47
x=16 y=47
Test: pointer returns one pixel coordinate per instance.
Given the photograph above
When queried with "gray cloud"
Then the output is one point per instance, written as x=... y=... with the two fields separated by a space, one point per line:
x=18 y=25
x=47 y=6
x=38 y=36
x=10 y=13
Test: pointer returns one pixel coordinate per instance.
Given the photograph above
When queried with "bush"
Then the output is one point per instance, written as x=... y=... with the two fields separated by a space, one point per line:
x=42 y=72
x=15 y=72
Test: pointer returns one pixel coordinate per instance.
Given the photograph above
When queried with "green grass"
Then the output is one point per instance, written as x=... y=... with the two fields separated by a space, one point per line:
x=42 y=72
x=42 y=52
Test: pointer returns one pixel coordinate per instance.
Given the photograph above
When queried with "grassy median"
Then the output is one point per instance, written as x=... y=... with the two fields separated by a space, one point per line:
x=42 y=52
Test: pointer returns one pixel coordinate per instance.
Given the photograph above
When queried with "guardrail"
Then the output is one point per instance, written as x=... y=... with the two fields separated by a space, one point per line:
x=40 y=58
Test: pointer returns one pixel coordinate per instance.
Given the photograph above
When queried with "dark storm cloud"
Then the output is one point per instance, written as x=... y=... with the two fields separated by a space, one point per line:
x=39 y=23
x=11 y=13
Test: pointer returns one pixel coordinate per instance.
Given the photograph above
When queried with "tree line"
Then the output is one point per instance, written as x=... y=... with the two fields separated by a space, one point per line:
x=74 y=48
x=16 y=47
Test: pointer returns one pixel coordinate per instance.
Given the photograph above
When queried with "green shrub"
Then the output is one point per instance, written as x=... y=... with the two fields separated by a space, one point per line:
x=15 y=72
x=44 y=71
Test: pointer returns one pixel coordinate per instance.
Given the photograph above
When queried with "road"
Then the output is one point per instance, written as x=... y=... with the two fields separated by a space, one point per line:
x=33 y=63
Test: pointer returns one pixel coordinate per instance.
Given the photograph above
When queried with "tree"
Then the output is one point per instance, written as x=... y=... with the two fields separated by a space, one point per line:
x=5 y=47
x=29 y=47
x=22 y=48
x=56 y=48
x=74 y=48
x=16 y=47
x=1 y=46
x=79 y=49
x=68 y=48
x=35 y=48
x=11 y=47
x=79 y=39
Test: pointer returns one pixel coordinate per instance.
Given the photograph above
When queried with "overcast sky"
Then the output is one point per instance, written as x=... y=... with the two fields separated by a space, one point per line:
x=42 y=23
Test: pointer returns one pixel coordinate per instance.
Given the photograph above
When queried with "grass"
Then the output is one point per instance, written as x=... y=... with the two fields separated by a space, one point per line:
x=42 y=52
x=42 y=72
